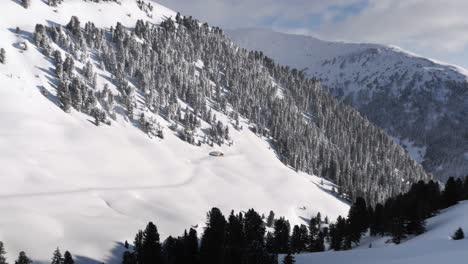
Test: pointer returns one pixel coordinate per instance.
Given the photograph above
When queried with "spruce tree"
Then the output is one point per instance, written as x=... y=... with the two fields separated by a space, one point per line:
x=213 y=239
x=235 y=241
x=2 y=254
x=2 y=56
x=281 y=236
x=68 y=258
x=357 y=220
x=191 y=247
x=452 y=192
x=459 y=234
x=23 y=259
x=254 y=227
x=57 y=257
x=151 y=246
x=270 y=219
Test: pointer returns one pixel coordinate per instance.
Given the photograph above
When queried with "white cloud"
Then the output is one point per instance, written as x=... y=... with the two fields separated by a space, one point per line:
x=435 y=28
x=425 y=24
x=254 y=13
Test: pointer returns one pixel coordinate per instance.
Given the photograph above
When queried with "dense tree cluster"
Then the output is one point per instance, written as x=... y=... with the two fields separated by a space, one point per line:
x=399 y=216
x=308 y=128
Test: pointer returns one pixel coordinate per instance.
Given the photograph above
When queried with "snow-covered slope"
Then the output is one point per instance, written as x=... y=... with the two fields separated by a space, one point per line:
x=434 y=246
x=423 y=104
x=66 y=182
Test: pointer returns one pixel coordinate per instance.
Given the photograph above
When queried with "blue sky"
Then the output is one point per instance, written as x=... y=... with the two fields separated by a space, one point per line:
x=436 y=29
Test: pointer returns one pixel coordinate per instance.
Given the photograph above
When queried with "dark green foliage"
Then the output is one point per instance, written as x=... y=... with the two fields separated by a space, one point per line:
x=299 y=239
x=235 y=240
x=338 y=234
x=358 y=218
x=254 y=227
x=289 y=259
x=281 y=236
x=23 y=259
x=213 y=240
x=68 y=258
x=270 y=219
x=459 y=234
x=151 y=247
x=2 y=254
x=2 y=56
x=57 y=257
x=453 y=192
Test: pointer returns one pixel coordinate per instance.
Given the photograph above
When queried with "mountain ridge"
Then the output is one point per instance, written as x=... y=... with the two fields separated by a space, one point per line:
x=387 y=85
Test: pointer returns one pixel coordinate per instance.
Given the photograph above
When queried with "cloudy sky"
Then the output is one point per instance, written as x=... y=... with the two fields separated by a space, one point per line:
x=433 y=28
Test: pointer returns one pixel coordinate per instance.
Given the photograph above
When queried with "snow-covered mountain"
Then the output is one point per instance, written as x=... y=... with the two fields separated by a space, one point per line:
x=423 y=104
x=66 y=182
x=109 y=124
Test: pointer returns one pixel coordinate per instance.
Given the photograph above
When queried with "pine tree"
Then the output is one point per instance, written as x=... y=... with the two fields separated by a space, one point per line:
x=23 y=259
x=68 y=258
x=377 y=226
x=357 y=220
x=191 y=247
x=151 y=246
x=235 y=240
x=213 y=239
x=459 y=234
x=26 y=3
x=2 y=254
x=289 y=259
x=299 y=239
x=452 y=192
x=270 y=219
x=64 y=96
x=2 y=56
x=57 y=257
x=281 y=236
x=254 y=227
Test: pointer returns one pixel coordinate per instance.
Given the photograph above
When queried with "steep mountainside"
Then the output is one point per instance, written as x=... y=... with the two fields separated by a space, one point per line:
x=423 y=104
x=108 y=118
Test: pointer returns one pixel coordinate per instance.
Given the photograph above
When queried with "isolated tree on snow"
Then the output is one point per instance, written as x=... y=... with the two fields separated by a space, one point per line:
x=57 y=257
x=23 y=259
x=459 y=234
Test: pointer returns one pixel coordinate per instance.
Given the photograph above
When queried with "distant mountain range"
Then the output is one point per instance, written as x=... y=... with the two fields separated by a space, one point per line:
x=421 y=103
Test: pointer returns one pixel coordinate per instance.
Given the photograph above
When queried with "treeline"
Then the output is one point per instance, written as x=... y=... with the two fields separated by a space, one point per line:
x=241 y=238
x=57 y=257
x=400 y=216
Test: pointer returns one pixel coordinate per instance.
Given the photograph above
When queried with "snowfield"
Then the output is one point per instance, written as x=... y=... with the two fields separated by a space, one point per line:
x=68 y=183
x=433 y=247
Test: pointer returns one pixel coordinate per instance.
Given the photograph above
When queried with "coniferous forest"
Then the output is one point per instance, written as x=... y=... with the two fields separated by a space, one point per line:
x=251 y=238
x=309 y=130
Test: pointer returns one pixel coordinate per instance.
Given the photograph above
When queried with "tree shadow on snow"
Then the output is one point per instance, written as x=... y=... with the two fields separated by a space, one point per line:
x=113 y=257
